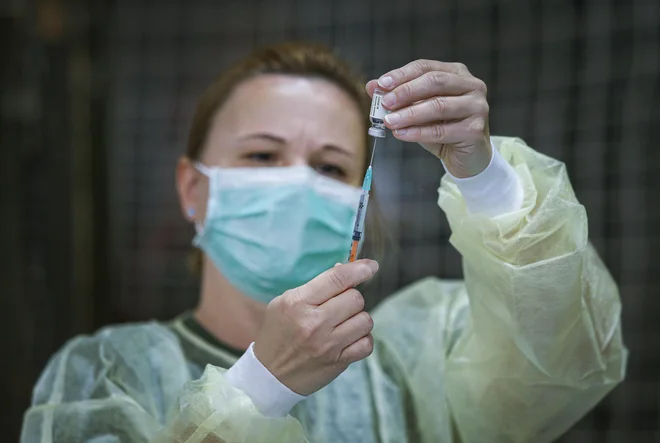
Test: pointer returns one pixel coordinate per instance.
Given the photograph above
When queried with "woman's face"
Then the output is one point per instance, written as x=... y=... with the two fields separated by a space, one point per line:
x=280 y=120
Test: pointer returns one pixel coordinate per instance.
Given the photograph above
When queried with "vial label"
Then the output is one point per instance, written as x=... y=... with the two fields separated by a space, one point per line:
x=377 y=111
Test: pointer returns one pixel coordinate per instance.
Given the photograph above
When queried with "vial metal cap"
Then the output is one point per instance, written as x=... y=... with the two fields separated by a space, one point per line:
x=377 y=132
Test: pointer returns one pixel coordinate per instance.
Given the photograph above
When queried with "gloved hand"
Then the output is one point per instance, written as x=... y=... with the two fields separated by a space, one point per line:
x=442 y=107
x=312 y=333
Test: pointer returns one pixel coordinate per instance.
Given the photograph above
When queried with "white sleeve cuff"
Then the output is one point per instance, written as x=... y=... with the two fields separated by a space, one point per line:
x=269 y=395
x=494 y=191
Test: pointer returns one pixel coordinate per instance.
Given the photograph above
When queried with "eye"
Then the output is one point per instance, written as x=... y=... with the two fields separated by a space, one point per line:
x=261 y=157
x=331 y=170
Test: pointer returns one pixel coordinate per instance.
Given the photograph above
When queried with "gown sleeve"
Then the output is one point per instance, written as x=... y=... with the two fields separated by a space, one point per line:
x=132 y=384
x=532 y=341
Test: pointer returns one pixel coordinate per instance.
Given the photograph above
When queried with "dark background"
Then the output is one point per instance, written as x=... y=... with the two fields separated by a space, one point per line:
x=96 y=98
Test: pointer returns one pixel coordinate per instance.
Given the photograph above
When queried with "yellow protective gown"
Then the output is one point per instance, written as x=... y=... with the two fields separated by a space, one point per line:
x=517 y=353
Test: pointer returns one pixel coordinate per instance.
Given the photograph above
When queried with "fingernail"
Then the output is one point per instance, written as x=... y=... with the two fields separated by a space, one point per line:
x=191 y=212
x=336 y=264
x=401 y=131
x=386 y=81
x=389 y=99
x=373 y=265
x=393 y=119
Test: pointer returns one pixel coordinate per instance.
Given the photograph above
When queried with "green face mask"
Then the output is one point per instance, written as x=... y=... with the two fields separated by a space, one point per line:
x=272 y=229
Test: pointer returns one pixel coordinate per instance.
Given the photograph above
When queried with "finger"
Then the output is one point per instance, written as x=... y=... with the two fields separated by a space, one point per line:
x=343 y=306
x=437 y=109
x=371 y=87
x=429 y=85
x=443 y=132
x=351 y=330
x=417 y=68
x=336 y=280
x=358 y=350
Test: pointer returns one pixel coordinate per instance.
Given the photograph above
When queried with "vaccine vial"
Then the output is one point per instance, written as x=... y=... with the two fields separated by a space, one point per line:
x=377 y=114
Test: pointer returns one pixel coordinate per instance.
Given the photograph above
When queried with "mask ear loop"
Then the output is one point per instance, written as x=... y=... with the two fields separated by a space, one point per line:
x=202 y=168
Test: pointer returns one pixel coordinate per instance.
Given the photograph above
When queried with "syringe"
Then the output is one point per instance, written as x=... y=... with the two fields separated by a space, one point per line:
x=358 y=228
x=377 y=130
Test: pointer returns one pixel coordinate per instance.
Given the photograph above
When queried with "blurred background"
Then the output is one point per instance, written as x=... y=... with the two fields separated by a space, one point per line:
x=96 y=99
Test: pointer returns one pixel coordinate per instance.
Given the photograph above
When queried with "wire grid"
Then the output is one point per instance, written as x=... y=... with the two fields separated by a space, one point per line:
x=576 y=79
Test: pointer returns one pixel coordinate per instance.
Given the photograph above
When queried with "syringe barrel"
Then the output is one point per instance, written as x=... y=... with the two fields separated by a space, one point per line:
x=358 y=227
x=361 y=212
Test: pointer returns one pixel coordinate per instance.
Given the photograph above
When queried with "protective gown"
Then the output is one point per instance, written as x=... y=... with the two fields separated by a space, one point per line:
x=518 y=352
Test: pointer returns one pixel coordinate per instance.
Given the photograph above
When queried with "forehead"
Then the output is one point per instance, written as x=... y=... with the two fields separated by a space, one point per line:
x=292 y=107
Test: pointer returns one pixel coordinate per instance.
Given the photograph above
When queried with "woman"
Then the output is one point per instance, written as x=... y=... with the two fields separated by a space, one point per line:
x=516 y=353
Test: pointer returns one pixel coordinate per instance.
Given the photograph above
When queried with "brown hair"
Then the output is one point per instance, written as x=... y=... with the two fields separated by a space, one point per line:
x=298 y=59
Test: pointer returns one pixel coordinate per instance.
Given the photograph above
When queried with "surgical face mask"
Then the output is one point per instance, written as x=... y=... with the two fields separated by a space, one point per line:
x=273 y=229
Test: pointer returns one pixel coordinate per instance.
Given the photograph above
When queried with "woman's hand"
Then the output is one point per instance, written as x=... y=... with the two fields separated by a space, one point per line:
x=312 y=333
x=444 y=108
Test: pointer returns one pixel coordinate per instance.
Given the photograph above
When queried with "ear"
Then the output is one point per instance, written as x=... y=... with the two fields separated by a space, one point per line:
x=188 y=184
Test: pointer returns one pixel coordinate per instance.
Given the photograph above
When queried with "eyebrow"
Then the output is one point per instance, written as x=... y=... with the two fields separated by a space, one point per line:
x=263 y=136
x=338 y=149
x=280 y=140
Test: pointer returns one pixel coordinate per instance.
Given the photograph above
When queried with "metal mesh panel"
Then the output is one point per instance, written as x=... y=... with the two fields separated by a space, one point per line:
x=577 y=80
